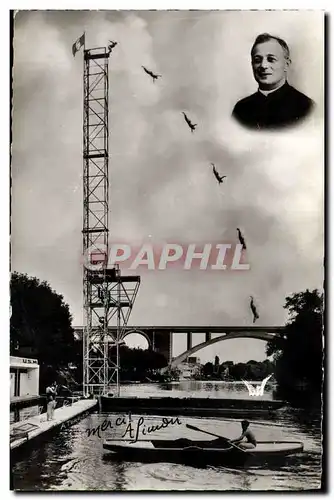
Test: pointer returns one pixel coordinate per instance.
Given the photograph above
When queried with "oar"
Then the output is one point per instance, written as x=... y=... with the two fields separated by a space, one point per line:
x=216 y=435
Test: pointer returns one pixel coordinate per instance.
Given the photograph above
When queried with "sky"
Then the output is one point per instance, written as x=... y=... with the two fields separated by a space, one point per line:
x=161 y=184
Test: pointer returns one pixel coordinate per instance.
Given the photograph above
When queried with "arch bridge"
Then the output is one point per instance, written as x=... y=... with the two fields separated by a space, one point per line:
x=160 y=338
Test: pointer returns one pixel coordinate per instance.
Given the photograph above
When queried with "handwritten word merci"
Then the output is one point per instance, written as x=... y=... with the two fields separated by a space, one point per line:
x=133 y=430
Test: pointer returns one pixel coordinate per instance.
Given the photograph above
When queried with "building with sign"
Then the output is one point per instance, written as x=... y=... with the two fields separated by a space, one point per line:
x=24 y=377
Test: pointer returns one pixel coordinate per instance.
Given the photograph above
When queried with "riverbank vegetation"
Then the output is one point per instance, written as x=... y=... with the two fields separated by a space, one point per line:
x=230 y=371
x=299 y=358
x=139 y=365
x=41 y=328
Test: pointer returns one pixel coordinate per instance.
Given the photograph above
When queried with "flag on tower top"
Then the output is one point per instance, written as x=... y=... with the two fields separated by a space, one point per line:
x=78 y=44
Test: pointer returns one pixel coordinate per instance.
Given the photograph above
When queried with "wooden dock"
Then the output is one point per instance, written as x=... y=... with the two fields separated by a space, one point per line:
x=26 y=430
x=195 y=407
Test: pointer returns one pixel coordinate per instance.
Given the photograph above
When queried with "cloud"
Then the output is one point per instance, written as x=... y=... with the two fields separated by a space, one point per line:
x=161 y=182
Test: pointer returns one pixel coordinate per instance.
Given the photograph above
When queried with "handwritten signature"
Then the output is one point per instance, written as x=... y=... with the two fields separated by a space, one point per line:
x=133 y=430
x=74 y=420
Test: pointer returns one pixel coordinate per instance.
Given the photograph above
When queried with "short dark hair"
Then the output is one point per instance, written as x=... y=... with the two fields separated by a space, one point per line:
x=266 y=37
x=245 y=423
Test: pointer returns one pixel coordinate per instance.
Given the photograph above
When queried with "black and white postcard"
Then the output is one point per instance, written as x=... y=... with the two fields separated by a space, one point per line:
x=167 y=250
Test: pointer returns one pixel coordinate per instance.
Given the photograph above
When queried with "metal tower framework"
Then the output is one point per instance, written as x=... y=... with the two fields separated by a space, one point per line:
x=107 y=295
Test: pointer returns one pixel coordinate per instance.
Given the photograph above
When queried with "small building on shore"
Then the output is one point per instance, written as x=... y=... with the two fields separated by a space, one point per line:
x=24 y=377
x=190 y=368
x=24 y=388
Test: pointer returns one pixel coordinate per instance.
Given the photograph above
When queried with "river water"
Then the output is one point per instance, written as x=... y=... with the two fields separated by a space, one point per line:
x=72 y=460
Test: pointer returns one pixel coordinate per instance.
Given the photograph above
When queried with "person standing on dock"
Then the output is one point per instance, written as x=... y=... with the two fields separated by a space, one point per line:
x=51 y=392
x=246 y=433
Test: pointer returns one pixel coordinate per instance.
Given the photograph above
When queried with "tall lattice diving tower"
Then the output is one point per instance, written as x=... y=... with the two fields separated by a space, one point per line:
x=108 y=297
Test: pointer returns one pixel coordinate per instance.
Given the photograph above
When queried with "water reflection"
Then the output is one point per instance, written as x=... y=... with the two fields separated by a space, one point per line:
x=195 y=388
x=71 y=460
x=120 y=475
x=40 y=467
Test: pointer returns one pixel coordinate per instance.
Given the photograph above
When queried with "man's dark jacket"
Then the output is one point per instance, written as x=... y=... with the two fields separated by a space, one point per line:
x=285 y=106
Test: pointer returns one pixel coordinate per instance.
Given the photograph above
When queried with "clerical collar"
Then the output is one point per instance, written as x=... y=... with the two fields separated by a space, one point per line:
x=267 y=92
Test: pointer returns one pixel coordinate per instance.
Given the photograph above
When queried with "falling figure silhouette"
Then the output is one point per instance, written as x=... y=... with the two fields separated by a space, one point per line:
x=241 y=239
x=216 y=174
x=254 y=311
x=155 y=77
x=111 y=45
x=192 y=126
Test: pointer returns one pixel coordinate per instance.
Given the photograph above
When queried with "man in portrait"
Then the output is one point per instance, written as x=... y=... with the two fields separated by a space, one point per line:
x=276 y=104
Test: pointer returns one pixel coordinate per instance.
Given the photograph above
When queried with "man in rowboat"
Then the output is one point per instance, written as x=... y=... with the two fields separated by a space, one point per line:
x=246 y=433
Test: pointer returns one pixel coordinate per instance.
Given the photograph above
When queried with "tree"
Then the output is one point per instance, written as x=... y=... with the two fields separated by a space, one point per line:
x=138 y=364
x=224 y=369
x=258 y=370
x=216 y=365
x=40 y=326
x=173 y=373
x=208 y=369
x=238 y=371
x=227 y=363
x=299 y=357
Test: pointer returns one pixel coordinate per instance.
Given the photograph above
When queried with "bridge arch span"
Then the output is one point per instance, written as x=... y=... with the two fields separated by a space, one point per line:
x=139 y=332
x=266 y=336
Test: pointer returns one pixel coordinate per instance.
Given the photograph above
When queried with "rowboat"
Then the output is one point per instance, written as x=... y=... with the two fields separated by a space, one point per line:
x=216 y=451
